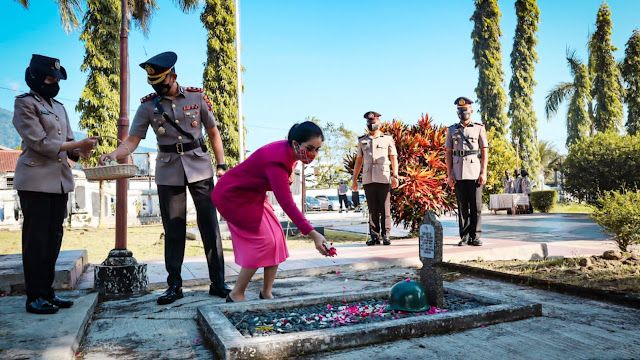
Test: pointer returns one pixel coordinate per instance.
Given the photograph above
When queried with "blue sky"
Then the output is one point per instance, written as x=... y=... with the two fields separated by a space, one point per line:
x=326 y=58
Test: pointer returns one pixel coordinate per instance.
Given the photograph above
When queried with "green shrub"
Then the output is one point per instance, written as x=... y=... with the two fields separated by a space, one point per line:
x=618 y=212
x=604 y=162
x=544 y=200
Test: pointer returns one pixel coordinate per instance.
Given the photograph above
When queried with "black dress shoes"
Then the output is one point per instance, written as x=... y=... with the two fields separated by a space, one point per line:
x=220 y=291
x=172 y=294
x=41 y=306
x=60 y=302
x=373 y=241
x=386 y=241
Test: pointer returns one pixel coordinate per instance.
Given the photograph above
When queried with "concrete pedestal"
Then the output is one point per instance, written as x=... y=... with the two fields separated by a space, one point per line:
x=120 y=274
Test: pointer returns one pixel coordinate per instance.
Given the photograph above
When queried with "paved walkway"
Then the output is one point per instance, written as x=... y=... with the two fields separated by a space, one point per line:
x=505 y=237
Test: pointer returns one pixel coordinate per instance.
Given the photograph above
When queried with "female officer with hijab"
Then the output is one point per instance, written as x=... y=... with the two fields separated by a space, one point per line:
x=43 y=178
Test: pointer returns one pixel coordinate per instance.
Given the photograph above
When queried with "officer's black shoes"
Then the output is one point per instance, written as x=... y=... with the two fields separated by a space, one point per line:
x=475 y=242
x=172 y=294
x=373 y=241
x=41 y=306
x=219 y=291
x=60 y=302
x=386 y=241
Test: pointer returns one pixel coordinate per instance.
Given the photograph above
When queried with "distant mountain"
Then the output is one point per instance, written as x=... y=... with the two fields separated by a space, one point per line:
x=9 y=136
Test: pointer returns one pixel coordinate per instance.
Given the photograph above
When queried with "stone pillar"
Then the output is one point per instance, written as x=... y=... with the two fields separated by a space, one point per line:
x=120 y=274
x=431 y=255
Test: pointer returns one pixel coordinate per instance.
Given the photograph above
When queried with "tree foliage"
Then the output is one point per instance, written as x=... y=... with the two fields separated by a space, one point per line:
x=549 y=158
x=580 y=108
x=100 y=100
x=524 y=123
x=338 y=142
x=422 y=172
x=607 y=89
x=603 y=162
x=619 y=214
x=488 y=58
x=631 y=75
x=220 y=77
x=502 y=157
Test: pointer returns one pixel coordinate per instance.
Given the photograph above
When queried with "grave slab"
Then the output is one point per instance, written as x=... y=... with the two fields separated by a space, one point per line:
x=228 y=343
x=69 y=268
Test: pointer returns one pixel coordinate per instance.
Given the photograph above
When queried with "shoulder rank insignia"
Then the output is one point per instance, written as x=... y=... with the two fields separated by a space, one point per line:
x=23 y=95
x=194 y=89
x=190 y=107
x=206 y=99
x=148 y=97
x=57 y=101
x=481 y=124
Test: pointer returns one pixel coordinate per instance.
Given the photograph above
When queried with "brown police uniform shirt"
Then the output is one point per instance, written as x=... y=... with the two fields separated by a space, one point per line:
x=190 y=109
x=375 y=152
x=467 y=167
x=42 y=167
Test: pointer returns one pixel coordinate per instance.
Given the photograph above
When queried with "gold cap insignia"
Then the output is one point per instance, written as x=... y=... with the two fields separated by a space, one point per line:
x=149 y=69
x=461 y=102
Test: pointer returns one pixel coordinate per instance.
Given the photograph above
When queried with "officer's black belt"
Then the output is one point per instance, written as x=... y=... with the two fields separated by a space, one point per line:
x=180 y=148
x=464 y=152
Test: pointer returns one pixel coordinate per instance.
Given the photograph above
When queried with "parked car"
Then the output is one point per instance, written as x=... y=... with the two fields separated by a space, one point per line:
x=329 y=202
x=325 y=204
x=312 y=204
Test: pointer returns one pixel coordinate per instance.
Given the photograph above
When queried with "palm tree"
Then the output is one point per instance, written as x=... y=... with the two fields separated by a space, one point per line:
x=69 y=13
x=580 y=115
x=549 y=158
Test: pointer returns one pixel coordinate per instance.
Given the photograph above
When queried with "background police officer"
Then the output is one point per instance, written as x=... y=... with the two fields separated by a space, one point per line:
x=43 y=178
x=466 y=157
x=177 y=116
x=376 y=151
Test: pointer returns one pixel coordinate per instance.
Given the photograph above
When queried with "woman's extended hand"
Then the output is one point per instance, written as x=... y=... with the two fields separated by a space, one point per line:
x=318 y=240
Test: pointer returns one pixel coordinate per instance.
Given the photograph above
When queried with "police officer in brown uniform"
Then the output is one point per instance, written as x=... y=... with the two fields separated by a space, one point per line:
x=376 y=151
x=43 y=178
x=467 y=151
x=177 y=115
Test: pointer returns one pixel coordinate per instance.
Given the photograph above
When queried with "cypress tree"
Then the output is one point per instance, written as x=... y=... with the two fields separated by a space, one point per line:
x=99 y=103
x=607 y=89
x=487 y=56
x=220 y=78
x=631 y=76
x=524 y=123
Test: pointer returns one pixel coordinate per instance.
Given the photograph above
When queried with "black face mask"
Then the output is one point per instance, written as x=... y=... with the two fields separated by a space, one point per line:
x=36 y=83
x=464 y=115
x=373 y=127
x=162 y=89
x=49 y=91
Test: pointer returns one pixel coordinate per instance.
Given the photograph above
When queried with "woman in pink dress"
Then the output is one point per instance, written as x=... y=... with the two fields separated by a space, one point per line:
x=241 y=198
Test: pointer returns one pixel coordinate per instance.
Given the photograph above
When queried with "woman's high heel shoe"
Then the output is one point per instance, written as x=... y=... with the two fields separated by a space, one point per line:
x=261 y=297
x=229 y=299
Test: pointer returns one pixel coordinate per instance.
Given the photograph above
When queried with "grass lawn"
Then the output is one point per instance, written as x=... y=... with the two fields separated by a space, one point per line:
x=592 y=272
x=146 y=242
x=572 y=208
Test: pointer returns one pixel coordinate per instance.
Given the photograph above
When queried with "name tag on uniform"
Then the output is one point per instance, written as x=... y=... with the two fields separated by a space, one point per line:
x=45 y=112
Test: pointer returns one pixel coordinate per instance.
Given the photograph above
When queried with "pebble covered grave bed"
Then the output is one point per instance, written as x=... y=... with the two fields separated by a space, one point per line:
x=253 y=323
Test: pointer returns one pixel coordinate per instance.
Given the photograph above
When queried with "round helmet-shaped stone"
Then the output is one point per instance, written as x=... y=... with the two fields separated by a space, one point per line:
x=408 y=296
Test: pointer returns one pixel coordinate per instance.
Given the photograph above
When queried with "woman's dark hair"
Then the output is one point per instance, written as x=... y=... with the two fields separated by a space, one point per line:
x=303 y=132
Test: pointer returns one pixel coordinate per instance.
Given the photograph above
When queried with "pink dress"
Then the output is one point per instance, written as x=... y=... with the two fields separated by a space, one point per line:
x=240 y=197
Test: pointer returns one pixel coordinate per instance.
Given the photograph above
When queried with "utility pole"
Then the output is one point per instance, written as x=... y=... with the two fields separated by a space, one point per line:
x=239 y=85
